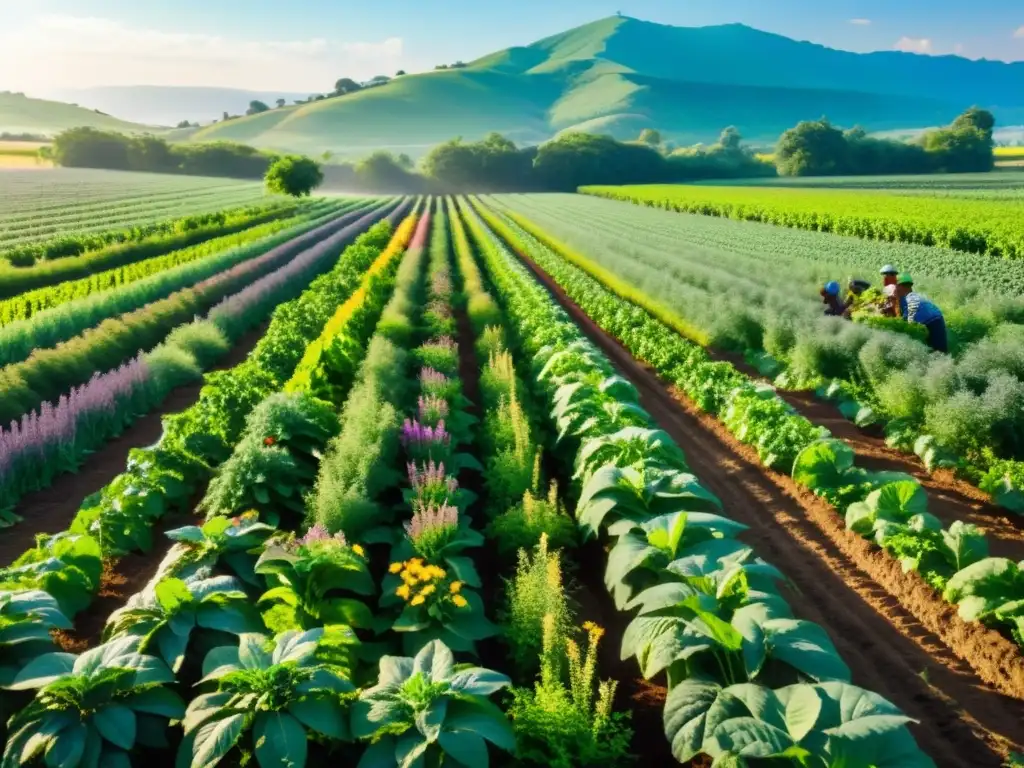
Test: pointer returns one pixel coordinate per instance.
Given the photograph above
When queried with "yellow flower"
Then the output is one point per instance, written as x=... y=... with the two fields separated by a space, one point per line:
x=408 y=578
x=396 y=567
x=428 y=590
x=592 y=629
x=358 y=550
x=460 y=601
x=418 y=600
x=434 y=572
x=455 y=587
x=403 y=591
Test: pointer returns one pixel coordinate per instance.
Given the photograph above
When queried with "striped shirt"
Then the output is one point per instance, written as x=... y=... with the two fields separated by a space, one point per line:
x=918 y=309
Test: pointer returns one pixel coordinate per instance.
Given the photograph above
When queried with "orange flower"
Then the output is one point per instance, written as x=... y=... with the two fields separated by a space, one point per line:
x=268 y=441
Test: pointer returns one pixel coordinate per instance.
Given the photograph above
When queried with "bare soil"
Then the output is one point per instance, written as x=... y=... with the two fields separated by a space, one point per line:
x=899 y=639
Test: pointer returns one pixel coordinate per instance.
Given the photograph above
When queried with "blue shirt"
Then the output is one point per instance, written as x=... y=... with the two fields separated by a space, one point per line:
x=917 y=309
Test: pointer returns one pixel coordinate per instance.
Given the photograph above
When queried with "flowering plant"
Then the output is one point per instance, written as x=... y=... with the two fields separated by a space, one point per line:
x=315 y=581
x=425 y=443
x=435 y=383
x=437 y=605
x=432 y=409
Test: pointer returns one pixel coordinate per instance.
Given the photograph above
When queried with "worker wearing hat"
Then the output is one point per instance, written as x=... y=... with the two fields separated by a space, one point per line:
x=889 y=274
x=916 y=308
x=834 y=306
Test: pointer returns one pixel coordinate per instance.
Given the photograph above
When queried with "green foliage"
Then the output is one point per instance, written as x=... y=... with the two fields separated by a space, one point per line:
x=536 y=606
x=294 y=175
x=819 y=149
x=313 y=581
x=26 y=618
x=67 y=566
x=230 y=541
x=423 y=708
x=521 y=526
x=819 y=725
x=570 y=725
x=93 y=148
x=93 y=709
x=273 y=691
x=276 y=461
x=162 y=619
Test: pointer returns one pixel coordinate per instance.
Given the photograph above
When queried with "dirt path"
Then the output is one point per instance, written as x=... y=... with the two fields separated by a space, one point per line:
x=837 y=581
x=52 y=509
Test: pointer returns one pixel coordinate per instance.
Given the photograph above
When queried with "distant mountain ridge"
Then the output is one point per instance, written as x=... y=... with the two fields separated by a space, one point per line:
x=619 y=75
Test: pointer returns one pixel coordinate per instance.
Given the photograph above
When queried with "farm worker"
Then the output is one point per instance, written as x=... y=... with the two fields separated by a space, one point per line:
x=915 y=308
x=834 y=306
x=889 y=275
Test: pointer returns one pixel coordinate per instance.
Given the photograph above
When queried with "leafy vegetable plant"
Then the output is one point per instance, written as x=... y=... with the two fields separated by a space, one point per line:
x=425 y=711
x=271 y=689
x=93 y=709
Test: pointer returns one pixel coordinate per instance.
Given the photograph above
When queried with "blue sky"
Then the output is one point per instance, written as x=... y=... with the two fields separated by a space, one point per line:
x=303 y=45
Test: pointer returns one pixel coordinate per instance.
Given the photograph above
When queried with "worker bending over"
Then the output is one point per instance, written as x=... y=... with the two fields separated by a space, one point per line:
x=834 y=306
x=916 y=308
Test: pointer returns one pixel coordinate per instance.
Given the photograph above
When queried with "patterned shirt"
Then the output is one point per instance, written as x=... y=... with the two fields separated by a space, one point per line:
x=918 y=309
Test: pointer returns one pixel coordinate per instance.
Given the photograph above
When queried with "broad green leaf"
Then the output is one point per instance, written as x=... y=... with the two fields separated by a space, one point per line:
x=802 y=710
x=435 y=661
x=215 y=739
x=685 y=714
x=464 y=747
x=67 y=748
x=479 y=681
x=483 y=718
x=323 y=715
x=251 y=653
x=157 y=701
x=203 y=707
x=748 y=737
x=43 y=670
x=280 y=741
x=116 y=724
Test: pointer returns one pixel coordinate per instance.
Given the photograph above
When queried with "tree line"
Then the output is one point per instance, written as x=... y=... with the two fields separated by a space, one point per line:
x=817 y=148
x=93 y=148
x=572 y=159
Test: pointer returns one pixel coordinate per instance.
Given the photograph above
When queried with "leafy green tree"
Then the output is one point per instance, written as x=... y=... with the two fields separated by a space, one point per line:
x=382 y=172
x=975 y=117
x=281 y=103
x=346 y=85
x=812 y=148
x=256 y=107
x=730 y=139
x=294 y=175
x=575 y=159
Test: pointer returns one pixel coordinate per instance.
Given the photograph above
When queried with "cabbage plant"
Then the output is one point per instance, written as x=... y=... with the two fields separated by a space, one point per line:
x=94 y=709
x=425 y=711
x=274 y=693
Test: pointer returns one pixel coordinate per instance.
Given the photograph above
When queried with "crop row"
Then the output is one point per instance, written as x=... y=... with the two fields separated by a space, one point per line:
x=35 y=224
x=55 y=438
x=888 y=508
x=709 y=616
x=306 y=645
x=49 y=371
x=158 y=635
x=15 y=281
x=974 y=226
x=723 y=295
x=66 y=320
x=25 y=305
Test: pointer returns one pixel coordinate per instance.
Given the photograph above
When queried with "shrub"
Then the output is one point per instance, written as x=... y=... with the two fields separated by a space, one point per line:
x=203 y=340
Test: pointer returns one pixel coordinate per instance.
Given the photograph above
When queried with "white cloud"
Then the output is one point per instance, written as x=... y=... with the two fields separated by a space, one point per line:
x=914 y=45
x=63 y=51
x=861 y=22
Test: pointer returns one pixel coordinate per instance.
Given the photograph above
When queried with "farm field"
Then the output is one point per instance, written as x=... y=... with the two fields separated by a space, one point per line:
x=1008 y=184
x=449 y=476
x=35 y=205
x=976 y=220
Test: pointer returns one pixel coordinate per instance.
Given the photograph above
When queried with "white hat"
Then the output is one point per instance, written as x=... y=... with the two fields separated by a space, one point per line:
x=888 y=269
x=890 y=290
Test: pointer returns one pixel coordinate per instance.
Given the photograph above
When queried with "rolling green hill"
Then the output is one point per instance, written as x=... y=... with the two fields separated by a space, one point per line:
x=21 y=114
x=620 y=75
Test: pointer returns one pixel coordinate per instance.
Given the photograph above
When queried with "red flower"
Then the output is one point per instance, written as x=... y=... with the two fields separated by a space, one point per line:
x=269 y=440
